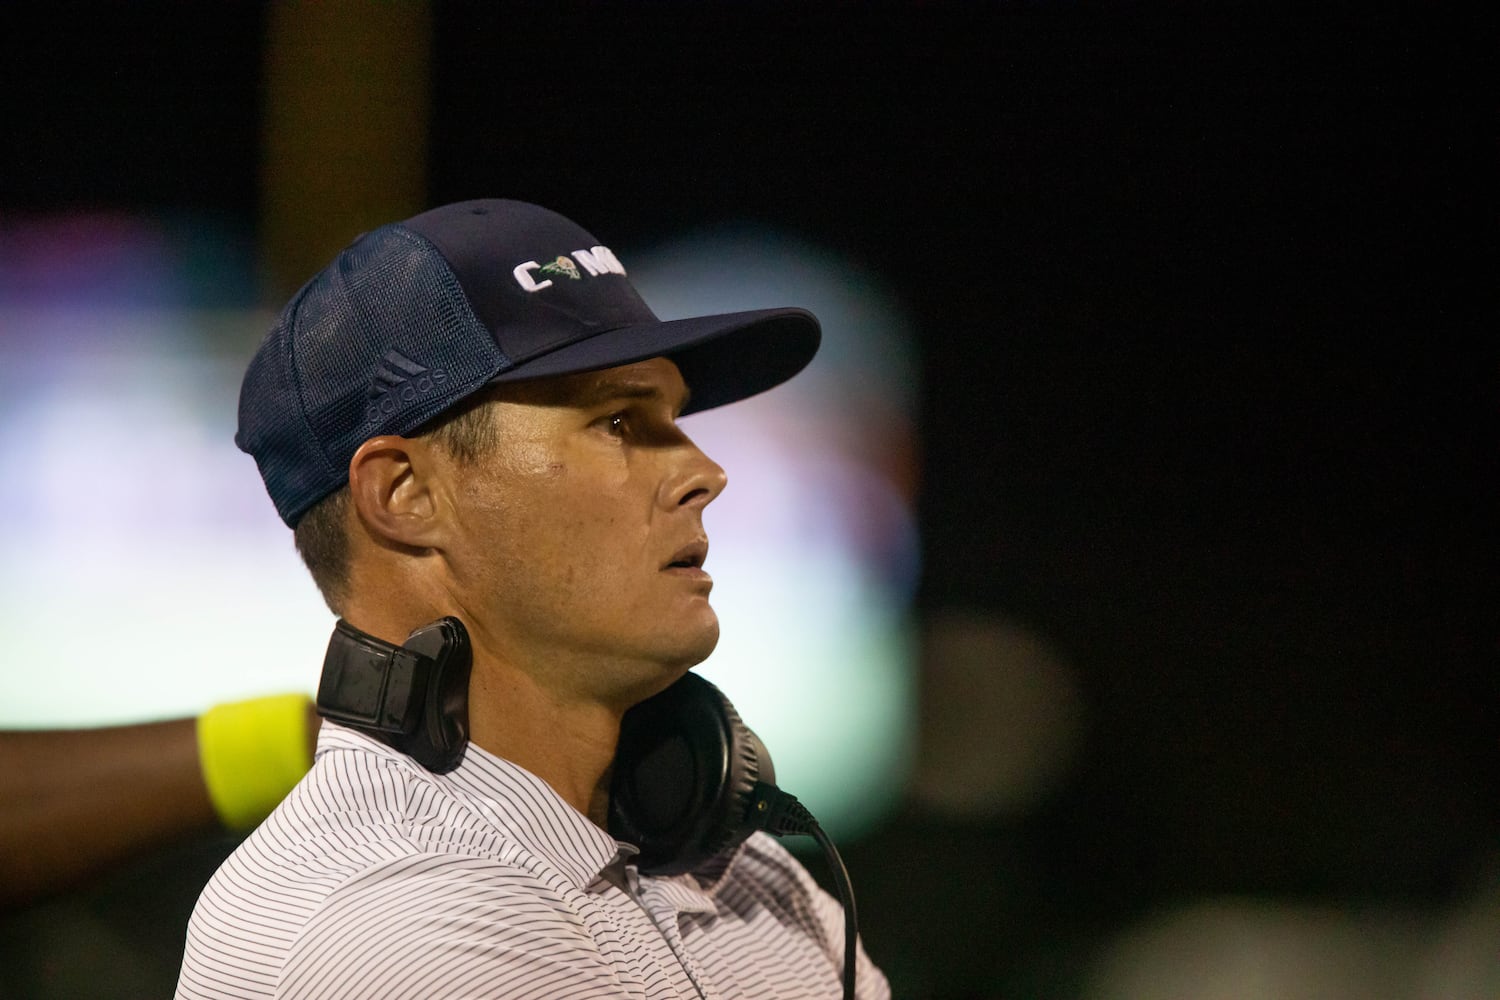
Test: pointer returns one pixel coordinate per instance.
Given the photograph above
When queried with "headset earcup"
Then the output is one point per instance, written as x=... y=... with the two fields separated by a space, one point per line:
x=439 y=743
x=684 y=777
x=412 y=697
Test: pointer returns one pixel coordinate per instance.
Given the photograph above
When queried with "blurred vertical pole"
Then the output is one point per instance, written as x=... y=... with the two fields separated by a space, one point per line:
x=344 y=141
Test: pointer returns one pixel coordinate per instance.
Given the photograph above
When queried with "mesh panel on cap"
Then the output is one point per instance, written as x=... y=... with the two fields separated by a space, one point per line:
x=271 y=424
x=379 y=343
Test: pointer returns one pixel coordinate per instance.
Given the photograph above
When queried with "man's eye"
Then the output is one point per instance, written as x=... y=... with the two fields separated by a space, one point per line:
x=614 y=424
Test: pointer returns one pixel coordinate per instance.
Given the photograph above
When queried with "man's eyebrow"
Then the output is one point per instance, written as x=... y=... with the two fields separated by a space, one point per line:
x=607 y=389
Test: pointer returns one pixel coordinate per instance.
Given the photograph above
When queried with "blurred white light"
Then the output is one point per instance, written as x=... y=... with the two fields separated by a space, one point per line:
x=146 y=574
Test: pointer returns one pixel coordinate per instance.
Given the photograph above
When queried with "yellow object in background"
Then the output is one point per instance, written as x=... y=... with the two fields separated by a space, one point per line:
x=252 y=753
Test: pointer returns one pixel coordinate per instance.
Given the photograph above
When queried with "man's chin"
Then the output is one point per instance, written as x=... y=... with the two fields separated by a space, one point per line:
x=690 y=654
x=675 y=662
x=687 y=640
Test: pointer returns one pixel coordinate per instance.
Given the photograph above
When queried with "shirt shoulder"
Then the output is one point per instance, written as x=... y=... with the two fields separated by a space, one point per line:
x=355 y=818
x=764 y=873
x=431 y=926
x=766 y=876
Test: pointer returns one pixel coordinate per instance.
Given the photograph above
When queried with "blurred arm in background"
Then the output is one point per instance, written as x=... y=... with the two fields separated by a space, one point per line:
x=76 y=802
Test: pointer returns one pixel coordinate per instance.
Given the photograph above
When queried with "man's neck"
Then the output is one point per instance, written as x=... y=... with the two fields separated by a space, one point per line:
x=541 y=717
x=568 y=743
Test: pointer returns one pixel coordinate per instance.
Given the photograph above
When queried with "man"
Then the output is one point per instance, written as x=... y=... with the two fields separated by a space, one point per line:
x=473 y=414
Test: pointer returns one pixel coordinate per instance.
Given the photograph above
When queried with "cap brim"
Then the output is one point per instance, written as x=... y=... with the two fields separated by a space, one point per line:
x=723 y=358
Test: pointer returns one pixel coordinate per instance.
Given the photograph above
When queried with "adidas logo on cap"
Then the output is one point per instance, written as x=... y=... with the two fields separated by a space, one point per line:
x=398 y=381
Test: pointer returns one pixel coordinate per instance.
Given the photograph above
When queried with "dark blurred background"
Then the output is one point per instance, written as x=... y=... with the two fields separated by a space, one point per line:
x=1204 y=302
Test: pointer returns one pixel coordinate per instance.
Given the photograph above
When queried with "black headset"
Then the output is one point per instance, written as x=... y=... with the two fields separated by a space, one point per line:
x=690 y=779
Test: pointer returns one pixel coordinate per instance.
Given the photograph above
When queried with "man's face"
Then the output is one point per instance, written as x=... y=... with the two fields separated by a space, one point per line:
x=580 y=542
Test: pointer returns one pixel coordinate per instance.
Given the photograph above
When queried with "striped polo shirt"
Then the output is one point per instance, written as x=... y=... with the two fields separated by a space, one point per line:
x=377 y=879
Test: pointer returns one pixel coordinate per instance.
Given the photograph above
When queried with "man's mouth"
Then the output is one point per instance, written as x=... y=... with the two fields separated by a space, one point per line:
x=690 y=556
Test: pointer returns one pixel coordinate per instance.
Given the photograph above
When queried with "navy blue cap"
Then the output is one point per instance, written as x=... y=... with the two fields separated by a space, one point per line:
x=415 y=316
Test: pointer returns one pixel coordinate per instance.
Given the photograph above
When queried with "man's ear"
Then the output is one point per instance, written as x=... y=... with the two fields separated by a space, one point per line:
x=391 y=481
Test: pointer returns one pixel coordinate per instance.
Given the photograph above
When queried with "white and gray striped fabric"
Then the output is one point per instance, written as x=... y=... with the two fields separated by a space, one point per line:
x=376 y=879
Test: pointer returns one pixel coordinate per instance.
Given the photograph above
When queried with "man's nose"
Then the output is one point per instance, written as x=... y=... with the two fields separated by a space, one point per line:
x=697 y=481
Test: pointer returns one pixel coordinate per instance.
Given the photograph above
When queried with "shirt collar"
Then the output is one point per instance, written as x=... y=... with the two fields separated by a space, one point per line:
x=530 y=811
x=513 y=800
x=697 y=891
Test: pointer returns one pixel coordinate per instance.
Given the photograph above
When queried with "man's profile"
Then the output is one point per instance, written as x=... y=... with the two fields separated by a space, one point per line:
x=473 y=414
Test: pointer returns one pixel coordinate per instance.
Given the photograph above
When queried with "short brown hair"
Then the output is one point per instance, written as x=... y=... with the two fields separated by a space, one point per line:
x=466 y=432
